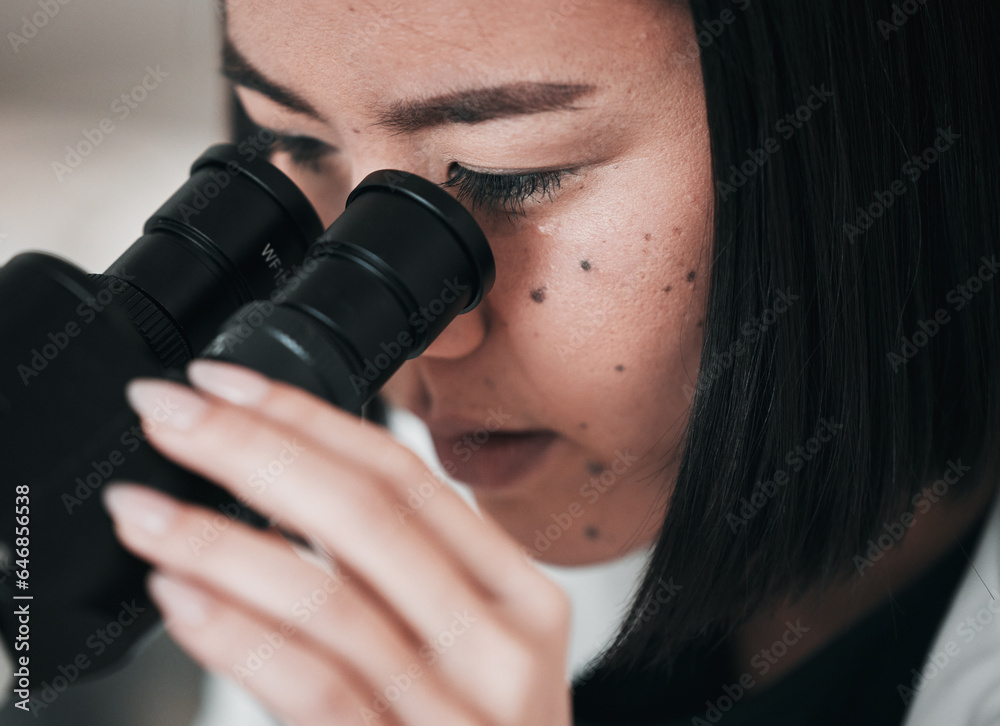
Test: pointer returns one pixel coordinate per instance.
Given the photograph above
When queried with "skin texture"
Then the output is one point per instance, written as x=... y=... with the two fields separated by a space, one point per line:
x=620 y=250
x=440 y=613
x=598 y=352
x=419 y=613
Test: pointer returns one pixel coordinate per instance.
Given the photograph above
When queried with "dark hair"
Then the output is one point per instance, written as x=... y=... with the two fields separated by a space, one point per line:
x=812 y=209
x=830 y=209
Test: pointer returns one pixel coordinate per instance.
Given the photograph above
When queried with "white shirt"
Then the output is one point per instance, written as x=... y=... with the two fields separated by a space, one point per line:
x=961 y=684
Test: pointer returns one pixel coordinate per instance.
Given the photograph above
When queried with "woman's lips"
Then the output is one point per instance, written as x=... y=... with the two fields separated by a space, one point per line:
x=491 y=459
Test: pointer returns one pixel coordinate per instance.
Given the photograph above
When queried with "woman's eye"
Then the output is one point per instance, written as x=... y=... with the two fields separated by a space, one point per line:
x=503 y=193
x=305 y=152
x=495 y=193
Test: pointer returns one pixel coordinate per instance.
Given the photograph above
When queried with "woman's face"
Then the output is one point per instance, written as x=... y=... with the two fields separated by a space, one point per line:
x=561 y=398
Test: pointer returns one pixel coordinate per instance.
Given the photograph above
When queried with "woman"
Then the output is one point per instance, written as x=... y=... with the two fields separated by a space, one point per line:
x=745 y=316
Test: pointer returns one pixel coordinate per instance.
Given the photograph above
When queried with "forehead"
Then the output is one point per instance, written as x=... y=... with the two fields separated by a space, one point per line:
x=365 y=51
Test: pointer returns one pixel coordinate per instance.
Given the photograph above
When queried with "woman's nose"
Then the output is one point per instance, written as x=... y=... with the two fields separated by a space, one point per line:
x=461 y=337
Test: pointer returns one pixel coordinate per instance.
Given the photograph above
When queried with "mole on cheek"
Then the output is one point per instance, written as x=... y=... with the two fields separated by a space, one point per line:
x=585 y=264
x=595 y=467
x=590 y=532
x=538 y=294
x=583 y=425
x=691 y=276
x=619 y=367
x=668 y=288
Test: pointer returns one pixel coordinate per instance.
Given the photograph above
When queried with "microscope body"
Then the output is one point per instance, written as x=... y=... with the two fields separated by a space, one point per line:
x=236 y=267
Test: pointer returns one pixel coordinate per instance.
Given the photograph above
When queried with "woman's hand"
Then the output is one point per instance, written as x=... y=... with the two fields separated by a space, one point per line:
x=431 y=614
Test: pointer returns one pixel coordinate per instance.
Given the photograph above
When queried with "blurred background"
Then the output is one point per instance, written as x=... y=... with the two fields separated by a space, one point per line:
x=64 y=68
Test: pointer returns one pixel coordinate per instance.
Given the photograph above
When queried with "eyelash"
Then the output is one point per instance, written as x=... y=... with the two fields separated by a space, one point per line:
x=503 y=193
x=495 y=193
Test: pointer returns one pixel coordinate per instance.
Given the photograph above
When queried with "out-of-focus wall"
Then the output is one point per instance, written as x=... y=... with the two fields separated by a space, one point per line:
x=64 y=68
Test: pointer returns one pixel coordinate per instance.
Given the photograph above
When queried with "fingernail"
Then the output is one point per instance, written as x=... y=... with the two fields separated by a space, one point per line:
x=165 y=402
x=140 y=506
x=177 y=600
x=228 y=381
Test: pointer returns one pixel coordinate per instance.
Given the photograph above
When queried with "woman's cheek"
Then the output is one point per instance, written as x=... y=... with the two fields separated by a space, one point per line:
x=620 y=328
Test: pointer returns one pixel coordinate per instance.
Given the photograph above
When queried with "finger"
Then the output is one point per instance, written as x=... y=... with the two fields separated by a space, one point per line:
x=321 y=497
x=290 y=680
x=268 y=579
x=422 y=584
x=484 y=549
x=263 y=572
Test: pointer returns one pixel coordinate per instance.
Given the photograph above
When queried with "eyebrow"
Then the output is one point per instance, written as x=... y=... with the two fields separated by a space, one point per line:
x=482 y=104
x=460 y=107
x=241 y=72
